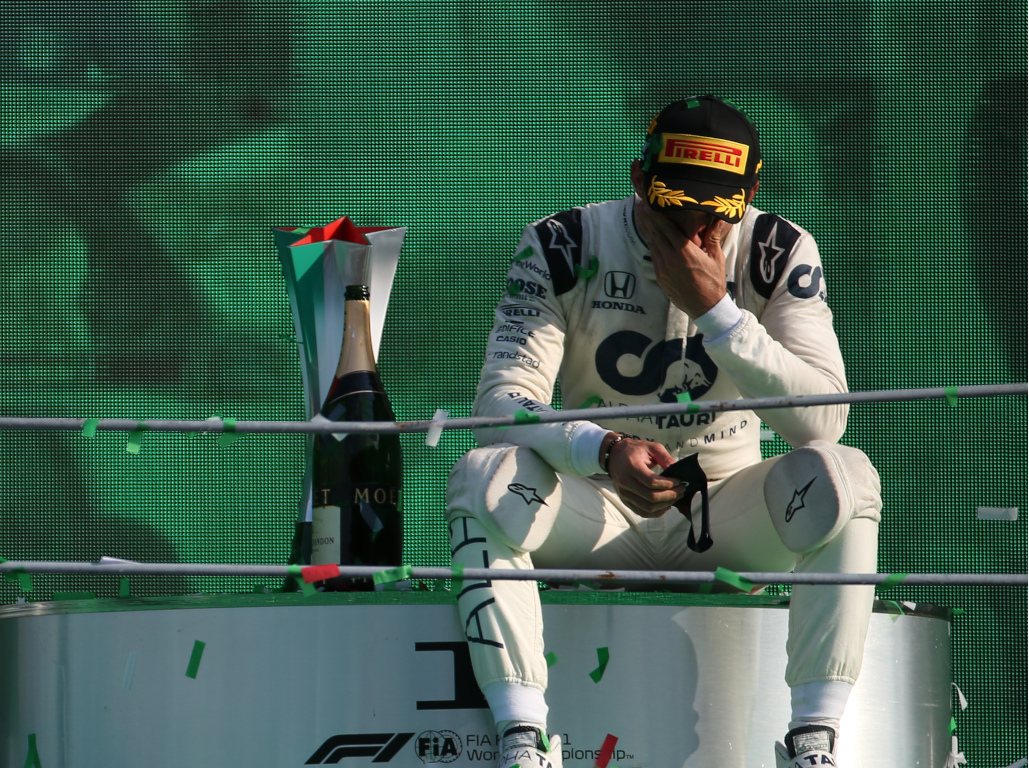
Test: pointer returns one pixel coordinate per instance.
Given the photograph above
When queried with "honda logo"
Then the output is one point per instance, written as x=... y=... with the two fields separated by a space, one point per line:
x=620 y=285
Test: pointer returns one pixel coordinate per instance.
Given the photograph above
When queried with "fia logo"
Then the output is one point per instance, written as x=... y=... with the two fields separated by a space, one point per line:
x=438 y=746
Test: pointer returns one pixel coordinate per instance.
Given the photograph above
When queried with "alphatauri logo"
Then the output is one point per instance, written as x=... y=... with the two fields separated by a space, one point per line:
x=380 y=746
x=666 y=368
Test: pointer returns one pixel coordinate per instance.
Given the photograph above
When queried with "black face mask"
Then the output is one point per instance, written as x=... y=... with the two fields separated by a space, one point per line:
x=688 y=470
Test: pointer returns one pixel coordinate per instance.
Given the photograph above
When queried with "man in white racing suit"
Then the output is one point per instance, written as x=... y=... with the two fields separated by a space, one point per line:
x=682 y=290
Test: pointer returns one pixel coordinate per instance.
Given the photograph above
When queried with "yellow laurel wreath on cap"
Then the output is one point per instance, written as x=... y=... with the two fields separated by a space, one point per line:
x=665 y=196
x=733 y=207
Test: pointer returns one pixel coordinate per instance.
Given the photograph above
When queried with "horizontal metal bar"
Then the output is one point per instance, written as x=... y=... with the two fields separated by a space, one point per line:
x=323 y=426
x=112 y=567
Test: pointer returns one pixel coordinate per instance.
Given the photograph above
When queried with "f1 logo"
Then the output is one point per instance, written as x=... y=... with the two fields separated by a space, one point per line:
x=620 y=285
x=381 y=746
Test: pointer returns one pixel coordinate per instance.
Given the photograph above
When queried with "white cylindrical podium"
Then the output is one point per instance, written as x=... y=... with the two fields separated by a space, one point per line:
x=283 y=681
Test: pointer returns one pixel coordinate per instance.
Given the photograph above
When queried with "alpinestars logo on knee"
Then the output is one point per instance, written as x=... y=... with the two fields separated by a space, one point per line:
x=529 y=495
x=798 y=496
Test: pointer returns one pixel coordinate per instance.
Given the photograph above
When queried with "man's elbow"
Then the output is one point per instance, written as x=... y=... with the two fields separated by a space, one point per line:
x=829 y=427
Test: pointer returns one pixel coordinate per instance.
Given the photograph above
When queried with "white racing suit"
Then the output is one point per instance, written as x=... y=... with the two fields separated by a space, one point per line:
x=582 y=306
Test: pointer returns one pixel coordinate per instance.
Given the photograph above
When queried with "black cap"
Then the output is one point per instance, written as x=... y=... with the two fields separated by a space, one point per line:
x=701 y=153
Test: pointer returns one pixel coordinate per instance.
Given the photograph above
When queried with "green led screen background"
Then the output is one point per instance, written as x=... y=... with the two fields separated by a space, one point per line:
x=148 y=148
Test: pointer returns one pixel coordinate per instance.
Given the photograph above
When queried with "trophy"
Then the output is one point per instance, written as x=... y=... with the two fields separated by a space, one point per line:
x=339 y=278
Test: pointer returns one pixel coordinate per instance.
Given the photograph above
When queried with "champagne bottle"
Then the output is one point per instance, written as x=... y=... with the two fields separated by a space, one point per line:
x=356 y=505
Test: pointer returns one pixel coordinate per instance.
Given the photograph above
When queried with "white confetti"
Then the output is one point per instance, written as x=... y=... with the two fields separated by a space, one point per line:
x=319 y=419
x=955 y=758
x=961 y=697
x=130 y=670
x=997 y=513
x=436 y=428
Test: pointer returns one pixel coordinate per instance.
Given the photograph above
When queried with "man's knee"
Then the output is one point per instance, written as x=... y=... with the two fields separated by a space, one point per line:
x=815 y=490
x=509 y=489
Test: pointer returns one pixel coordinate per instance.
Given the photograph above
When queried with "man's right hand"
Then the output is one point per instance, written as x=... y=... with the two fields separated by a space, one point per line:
x=632 y=466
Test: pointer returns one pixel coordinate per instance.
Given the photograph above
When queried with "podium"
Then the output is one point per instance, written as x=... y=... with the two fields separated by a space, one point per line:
x=283 y=681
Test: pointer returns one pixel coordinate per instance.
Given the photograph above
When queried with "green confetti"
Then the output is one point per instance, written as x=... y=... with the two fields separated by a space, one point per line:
x=589 y=402
x=894 y=609
x=89 y=428
x=522 y=417
x=229 y=436
x=892 y=580
x=603 y=656
x=123 y=588
x=684 y=397
x=20 y=575
x=194 y=659
x=523 y=254
x=457 y=579
x=733 y=579
x=950 y=394
x=551 y=659
x=135 y=441
x=513 y=289
x=388 y=579
x=297 y=573
x=585 y=273
x=32 y=758
x=953 y=727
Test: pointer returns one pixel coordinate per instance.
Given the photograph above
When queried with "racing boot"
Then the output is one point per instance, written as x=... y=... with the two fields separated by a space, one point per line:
x=807 y=746
x=526 y=746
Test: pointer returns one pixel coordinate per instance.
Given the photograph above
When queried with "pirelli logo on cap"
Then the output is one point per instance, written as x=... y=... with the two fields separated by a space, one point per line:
x=704 y=151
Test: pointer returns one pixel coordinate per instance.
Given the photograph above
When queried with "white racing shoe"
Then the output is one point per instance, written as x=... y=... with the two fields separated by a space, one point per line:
x=810 y=745
x=525 y=746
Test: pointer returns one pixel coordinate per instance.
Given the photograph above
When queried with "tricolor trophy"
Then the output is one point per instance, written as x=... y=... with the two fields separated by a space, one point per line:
x=339 y=278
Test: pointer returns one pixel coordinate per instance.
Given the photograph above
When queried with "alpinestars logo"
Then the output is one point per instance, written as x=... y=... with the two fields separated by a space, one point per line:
x=560 y=240
x=380 y=746
x=770 y=253
x=798 y=496
x=529 y=495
